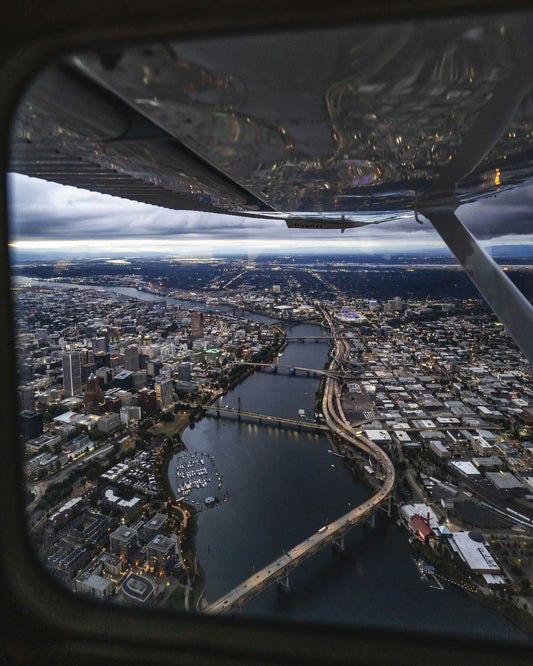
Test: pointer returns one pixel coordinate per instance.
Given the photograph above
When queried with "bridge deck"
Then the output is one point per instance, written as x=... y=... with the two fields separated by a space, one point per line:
x=316 y=371
x=295 y=556
x=265 y=417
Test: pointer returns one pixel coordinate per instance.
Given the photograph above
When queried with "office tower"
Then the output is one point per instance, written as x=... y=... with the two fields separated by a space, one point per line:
x=131 y=360
x=27 y=399
x=26 y=372
x=123 y=380
x=102 y=359
x=31 y=424
x=212 y=356
x=105 y=376
x=71 y=373
x=101 y=344
x=197 y=325
x=165 y=393
x=113 y=404
x=139 y=380
x=147 y=401
x=87 y=369
x=94 y=396
x=153 y=367
x=130 y=414
x=184 y=371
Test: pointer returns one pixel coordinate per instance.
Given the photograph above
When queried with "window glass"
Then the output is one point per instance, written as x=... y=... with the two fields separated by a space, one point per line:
x=252 y=372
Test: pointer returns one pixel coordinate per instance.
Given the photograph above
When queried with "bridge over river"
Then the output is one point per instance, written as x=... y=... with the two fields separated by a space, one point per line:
x=279 y=569
x=294 y=368
x=279 y=420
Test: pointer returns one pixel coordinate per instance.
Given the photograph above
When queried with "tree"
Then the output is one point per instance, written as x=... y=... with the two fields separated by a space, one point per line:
x=525 y=585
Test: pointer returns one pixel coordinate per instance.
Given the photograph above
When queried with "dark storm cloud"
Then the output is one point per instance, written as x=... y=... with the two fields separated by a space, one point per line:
x=40 y=210
x=507 y=213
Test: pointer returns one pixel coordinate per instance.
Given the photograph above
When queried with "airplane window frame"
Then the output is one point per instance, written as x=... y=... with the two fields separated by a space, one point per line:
x=43 y=619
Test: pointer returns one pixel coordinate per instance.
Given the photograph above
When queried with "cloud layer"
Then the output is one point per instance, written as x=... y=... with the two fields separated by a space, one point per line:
x=47 y=215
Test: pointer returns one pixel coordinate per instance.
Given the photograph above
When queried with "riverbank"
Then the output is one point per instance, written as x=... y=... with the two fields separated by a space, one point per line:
x=243 y=371
x=455 y=573
x=174 y=430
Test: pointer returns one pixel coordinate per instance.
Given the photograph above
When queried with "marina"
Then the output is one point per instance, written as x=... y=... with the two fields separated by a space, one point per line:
x=196 y=471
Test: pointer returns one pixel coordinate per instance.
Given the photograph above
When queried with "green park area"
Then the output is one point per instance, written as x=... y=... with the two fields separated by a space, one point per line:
x=169 y=427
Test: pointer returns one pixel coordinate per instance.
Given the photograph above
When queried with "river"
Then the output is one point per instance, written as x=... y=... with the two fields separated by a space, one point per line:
x=131 y=292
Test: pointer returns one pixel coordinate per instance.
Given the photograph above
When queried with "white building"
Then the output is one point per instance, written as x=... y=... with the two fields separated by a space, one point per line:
x=130 y=414
x=471 y=549
x=93 y=585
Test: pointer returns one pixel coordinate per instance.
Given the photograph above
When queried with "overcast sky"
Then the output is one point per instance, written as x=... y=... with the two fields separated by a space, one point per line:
x=55 y=217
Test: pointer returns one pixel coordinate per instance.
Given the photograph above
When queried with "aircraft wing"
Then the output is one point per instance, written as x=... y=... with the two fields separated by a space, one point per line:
x=334 y=127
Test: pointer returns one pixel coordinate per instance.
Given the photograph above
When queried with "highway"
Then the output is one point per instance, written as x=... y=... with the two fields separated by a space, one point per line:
x=337 y=422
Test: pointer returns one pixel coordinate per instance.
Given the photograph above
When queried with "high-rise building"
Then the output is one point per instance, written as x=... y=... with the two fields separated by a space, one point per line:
x=101 y=359
x=86 y=370
x=164 y=390
x=71 y=373
x=105 y=376
x=27 y=399
x=131 y=358
x=124 y=380
x=184 y=370
x=139 y=379
x=130 y=414
x=162 y=553
x=113 y=404
x=108 y=422
x=101 y=344
x=31 y=424
x=197 y=325
x=147 y=401
x=122 y=540
x=212 y=356
x=94 y=396
x=153 y=367
x=26 y=372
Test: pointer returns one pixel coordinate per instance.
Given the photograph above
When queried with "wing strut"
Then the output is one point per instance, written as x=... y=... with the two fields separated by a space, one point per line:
x=440 y=203
x=508 y=303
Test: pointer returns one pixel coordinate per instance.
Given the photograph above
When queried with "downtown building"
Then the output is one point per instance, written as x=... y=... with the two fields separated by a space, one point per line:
x=93 y=398
x=164 y=390
x=71 y=373
x=197 y=325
